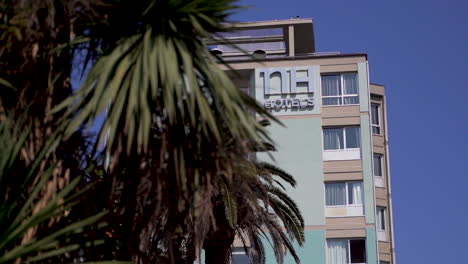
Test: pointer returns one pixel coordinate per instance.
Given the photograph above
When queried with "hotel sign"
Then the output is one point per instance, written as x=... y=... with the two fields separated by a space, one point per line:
x=287 y=88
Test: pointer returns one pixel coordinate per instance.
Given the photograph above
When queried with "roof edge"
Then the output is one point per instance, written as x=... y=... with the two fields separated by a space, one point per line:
x=268 y=23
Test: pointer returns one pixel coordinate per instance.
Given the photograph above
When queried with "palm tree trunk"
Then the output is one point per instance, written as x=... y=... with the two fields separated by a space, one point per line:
x=219 y=253
x=218 y=243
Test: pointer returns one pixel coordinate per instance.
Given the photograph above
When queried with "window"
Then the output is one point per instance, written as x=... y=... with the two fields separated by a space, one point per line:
x=343 y=251
x=344 y=199
x=384 y=262
x=343 y=193
x=341 y=143
x=341 y=138
x=239 y=256
x=375 y=115
x=378 y=165
x=382 y=223
x=340 y=89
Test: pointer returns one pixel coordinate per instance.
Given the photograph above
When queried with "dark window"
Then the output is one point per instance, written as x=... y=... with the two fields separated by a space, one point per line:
x=358 y=251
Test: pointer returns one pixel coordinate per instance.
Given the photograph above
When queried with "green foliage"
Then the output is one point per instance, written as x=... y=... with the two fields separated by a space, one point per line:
x=164 y=70
x=19 y=213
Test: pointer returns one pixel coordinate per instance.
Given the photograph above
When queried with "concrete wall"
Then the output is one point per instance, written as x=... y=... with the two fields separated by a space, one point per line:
x=313 y=252
x=299 y=144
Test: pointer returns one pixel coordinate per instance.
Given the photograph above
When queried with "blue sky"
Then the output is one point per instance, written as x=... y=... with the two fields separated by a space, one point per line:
x=419 y=51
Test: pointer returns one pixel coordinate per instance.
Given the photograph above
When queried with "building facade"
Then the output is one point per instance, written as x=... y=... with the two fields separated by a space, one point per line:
x=334 y=139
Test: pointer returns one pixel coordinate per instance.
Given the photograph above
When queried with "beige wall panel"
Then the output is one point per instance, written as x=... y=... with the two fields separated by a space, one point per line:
x=238 y=242
x=342 y=166
x=377 y=89
x=385 y=257
x=358 y=222
x=341 y=111
x=338 y=68
x=381 y=202
x=297 y=62
x=384 y=247
x=346 y=176
x=378 y=141
x=339 y=211
x=378 y=149
x=346 y=233
x=381 y=193
x=341 y=121
x=293 y=117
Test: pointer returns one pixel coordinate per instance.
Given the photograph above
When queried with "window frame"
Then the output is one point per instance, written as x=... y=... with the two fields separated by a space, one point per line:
x=384 y=215
x=379 y=119
x=381 y=161
x=342 y=94
x=345 y=148
x=348 y=240
x=348 y=204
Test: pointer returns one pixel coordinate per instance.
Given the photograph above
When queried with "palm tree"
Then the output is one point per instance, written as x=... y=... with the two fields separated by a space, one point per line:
x=169 y=109
x=176 y=126
x=255 y=207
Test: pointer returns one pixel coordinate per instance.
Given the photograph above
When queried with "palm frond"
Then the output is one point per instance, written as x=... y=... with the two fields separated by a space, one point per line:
x=230 y=206
x=16 y=204
x=268 y=168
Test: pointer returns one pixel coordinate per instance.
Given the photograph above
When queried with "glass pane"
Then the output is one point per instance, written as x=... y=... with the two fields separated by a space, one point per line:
x=353 y=137
x=335 y=193
x=333 y=138
x=355 y=193
x=351 y=100
x=375 y=114
x=331 y=101
x=381 y=219
x=249 y=47
x=264 y=32
x=350 y=83
x=331 y=85
x=378 y=165
x=239 y=256
x=240 y=259
x=358 y=251
x=376 y=130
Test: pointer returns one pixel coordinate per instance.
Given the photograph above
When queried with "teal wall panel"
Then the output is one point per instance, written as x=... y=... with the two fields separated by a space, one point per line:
x=369 y=206
x=363 y=81
x=313 y=251
x=318 y=90
x=299 y=145
x=371 y=246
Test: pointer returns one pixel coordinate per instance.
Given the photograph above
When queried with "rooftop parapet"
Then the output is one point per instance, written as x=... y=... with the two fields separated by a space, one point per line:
x=267 y=39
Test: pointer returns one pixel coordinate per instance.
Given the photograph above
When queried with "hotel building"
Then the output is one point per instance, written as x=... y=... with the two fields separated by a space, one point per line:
x=334 y=140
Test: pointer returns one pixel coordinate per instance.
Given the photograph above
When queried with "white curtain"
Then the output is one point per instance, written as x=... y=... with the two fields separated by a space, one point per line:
x=350 y=83
x=333 y=138
x=350 y=87
x=337 y=251
x=331 y=86
x=335 y=193
x=355 y=193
